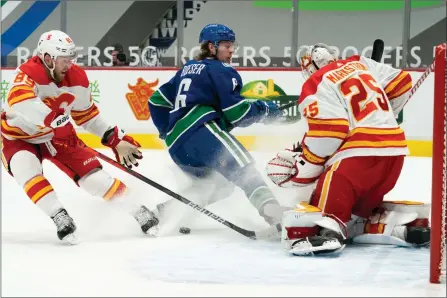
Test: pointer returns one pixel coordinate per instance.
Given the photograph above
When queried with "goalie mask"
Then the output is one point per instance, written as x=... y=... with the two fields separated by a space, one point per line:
x=316 y=57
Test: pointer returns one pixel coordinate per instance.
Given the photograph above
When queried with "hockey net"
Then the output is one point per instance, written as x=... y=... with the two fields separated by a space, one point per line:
x=438 y=209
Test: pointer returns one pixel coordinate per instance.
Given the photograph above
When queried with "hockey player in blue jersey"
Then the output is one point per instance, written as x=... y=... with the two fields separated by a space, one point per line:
x=197 y=108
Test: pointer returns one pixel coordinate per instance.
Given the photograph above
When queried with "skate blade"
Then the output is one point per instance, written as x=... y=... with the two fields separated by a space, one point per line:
x=310 y=250
x=153 y=231
x=71 y=239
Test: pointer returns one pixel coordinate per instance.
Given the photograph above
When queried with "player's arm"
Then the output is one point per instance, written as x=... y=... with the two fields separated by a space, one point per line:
x=237 y=110
x=86 y=114
x=397 y=83
x=327 y=121
x=160 y=103
x=23 y=99
x=328 y=127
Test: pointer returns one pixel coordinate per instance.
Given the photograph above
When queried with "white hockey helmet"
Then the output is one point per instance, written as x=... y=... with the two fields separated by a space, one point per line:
x=56 y=44
x=315 y=57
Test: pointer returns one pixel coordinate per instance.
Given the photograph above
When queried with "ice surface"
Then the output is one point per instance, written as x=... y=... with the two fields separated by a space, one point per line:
x=115 y=259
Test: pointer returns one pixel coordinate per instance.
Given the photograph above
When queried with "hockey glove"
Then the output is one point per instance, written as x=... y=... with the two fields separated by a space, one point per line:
x=271 y=112
x=124 y=146
x=63 y=130
x=290 y=169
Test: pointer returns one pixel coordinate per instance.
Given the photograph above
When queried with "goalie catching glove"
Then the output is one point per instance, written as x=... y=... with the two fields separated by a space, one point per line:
x=124 y=146
x=290 y=168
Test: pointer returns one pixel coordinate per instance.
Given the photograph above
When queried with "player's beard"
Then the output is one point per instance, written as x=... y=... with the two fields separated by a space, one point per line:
x=59 y=76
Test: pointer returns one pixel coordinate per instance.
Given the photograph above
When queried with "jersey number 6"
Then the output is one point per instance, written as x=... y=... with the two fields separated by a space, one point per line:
x=180 y=99
x=354 y=89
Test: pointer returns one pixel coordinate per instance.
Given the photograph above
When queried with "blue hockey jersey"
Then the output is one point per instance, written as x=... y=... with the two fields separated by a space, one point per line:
x=199 y=92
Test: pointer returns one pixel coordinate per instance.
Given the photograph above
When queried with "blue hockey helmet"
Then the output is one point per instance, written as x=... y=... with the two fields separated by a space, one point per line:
x=215 y=33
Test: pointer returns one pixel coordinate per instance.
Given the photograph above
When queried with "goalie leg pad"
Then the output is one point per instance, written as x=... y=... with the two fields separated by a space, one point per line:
x=397 y=223
x=307 y=232
x=422 y=210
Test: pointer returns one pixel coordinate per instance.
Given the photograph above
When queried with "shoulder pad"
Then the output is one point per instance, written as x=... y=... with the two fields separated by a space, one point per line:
x=35 y=70
x=76 y=76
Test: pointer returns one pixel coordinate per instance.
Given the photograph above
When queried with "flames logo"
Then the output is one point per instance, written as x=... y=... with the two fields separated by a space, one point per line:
x=61 y=101
x=138 y=98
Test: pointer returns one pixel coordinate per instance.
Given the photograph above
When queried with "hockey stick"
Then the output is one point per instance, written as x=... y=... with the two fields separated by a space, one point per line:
x=288 y=105
x=268 y=233
x=376 y=55
x=377 y=51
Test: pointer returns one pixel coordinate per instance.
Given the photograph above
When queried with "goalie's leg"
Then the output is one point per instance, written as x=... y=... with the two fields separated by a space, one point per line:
x=307 y=232
x=402 y=223
x=354 y=185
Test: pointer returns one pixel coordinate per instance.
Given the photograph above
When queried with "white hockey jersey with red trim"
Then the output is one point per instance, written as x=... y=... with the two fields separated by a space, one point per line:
x=351 y=108
x=33 y=96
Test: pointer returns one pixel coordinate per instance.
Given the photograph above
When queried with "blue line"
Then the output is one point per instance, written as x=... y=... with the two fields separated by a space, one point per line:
x=26 y=25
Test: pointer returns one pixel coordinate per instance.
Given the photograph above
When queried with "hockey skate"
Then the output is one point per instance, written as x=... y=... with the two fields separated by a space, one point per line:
x=272 y=212
x=65 y=227
x=326 y=243
x=161 y=211
x=146 y=219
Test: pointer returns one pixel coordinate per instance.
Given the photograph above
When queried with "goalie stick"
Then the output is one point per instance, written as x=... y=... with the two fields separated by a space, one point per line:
x=377 y=51
x=269 y=233
x=376 y=55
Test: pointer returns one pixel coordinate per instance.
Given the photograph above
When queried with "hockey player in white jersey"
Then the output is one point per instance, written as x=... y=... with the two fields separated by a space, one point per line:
x=45 y=91
x=354 y=150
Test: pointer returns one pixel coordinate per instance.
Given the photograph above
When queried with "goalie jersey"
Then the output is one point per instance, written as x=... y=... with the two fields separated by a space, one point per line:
x=33 y=97
x=199 y=92
x=351 y=108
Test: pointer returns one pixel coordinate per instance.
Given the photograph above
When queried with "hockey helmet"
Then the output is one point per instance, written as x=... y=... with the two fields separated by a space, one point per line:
x=215 y=33
x=315 y=57
x=56 y=44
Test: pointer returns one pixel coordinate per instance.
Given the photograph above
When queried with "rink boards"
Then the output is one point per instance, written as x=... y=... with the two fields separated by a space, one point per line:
x=122 y=94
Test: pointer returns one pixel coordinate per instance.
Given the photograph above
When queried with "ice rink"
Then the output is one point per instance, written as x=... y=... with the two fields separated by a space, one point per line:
x=115 y=259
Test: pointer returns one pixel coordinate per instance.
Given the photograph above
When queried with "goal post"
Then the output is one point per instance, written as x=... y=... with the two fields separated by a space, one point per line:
x=438 y=207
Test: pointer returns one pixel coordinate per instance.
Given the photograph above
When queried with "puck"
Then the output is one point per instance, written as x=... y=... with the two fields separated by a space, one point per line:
x=184 y=230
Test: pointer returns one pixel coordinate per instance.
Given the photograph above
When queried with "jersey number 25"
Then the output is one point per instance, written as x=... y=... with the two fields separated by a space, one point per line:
x=354 y=89
x=180 y=99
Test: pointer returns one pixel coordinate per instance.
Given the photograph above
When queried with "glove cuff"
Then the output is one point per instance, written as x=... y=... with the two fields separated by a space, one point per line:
x=51 y=116
x=112 y=137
